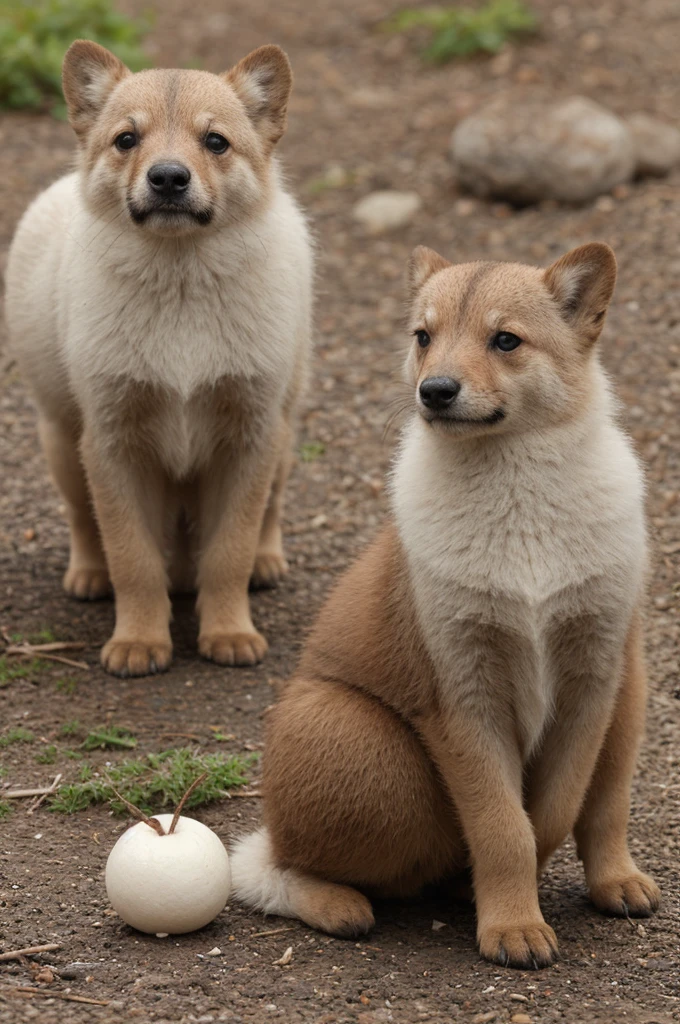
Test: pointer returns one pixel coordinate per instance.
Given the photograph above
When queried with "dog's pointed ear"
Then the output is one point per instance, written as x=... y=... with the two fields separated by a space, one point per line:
x=263 y=81
x=422 y=264
x=89 y=73
x=582 y=283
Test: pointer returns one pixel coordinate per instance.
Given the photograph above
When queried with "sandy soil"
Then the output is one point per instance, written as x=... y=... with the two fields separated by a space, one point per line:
x=362 y=101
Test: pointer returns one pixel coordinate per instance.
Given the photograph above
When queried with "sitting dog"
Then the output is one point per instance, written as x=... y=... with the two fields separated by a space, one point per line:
x=474 y=689
x=159 y=302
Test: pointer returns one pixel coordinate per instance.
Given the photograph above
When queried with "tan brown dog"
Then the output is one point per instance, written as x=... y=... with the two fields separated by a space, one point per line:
x=474 y=689
x=159 y=302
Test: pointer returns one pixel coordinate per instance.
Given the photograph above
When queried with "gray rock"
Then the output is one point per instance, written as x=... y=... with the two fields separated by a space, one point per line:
x=523 y=152
x=656 y=144
x=386 y=210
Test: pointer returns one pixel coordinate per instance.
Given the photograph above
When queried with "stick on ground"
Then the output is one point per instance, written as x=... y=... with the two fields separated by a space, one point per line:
x=16 y=954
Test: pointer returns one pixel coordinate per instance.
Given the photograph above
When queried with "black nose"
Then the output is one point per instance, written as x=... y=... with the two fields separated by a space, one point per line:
x=169 y=179
x=438 y=392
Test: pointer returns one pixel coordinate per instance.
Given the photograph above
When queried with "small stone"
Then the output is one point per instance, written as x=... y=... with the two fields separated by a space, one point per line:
x=656 y=145
x=215 y=951
x=29 y=534
x=517 y=997
x=484 y=1018
x=590 y=42
x=386 y=210
x=465 y=207
x=45 y=976
x=525 y=151
x=605 y=204
x=438 y=925
x=520 y=1018
x=285 y=959
x=161 y=935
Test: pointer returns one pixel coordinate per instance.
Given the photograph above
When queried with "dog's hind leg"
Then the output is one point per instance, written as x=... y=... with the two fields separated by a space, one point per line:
x=87 y=576
x=259 y=882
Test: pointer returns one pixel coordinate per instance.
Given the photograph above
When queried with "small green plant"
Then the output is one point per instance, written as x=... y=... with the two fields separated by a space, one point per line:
x=109 y=737
x=72 y=728
x=464 y=31
x=48 y=755
x=16 y=735
x=154 y=782
x=35 y=34
x=43 y=636
x=5 y=809
x=67 y=685
x=17 y=668
x=311 y=450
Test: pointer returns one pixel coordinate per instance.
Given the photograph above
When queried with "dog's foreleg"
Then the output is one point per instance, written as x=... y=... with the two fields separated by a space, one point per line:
x=616 y=885
x=270 y=562
x=483 y=773
x=129 y=501
x=232 y=502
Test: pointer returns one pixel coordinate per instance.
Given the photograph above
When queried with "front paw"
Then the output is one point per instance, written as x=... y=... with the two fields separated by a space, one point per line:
x=636 y=895
x=269 y=569
x=525 y=946
x=126 y=658
x=87 y=584
x=233 y=648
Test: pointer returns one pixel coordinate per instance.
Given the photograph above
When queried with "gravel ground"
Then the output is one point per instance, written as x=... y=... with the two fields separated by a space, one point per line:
x=365 y=103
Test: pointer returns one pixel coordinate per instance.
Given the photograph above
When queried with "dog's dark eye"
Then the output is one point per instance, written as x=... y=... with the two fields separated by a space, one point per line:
x=506 y=341
x=126 y=140
x=216 y=143
x=423 y=338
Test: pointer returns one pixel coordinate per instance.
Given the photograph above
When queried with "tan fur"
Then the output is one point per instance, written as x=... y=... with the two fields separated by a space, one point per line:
x=474 y=688
x=167 y=346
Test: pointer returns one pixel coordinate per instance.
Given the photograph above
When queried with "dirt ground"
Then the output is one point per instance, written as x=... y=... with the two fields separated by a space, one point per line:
x=364 y=102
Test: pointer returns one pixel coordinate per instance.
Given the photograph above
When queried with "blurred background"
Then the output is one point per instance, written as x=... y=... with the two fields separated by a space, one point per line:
x=498 y=130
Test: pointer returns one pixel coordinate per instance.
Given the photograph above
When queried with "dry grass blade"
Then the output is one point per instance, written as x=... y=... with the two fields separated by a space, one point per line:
x=49 y=993
x=21 y=794
x=16 y=954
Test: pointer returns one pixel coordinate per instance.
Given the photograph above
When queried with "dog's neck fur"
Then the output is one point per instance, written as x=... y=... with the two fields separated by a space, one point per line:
x=524 y=514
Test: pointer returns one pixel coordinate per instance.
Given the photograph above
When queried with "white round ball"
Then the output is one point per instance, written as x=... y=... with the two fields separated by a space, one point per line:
x=168 y=884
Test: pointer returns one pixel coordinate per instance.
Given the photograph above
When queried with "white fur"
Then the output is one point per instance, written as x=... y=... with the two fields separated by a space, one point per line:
x=93 y=304
x=257 y=881
x=523 y=531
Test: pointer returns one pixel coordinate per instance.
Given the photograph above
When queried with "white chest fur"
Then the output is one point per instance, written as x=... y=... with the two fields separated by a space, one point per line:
x=518 y=534
x=183 y=313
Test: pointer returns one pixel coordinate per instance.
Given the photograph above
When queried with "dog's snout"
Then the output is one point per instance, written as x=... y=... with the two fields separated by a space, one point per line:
x=169 y=179
x=438 y=393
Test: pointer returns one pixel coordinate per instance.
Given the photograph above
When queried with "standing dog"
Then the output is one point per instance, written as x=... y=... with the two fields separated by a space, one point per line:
x=159 y=305
x=474 y=689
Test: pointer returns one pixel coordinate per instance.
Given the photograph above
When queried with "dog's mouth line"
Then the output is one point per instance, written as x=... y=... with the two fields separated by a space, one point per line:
x=141 y=214
x=495 y=417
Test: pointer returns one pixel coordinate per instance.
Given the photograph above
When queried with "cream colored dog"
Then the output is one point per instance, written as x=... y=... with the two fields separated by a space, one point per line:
x=474 y=689
x=159 y=305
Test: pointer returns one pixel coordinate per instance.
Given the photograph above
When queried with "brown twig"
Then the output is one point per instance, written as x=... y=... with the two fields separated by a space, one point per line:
x=48 y=993
x=272 y=931
x=40 y=648
x=180 y=805
x=20 y=794
x=16 y=954
x=153 y=823
x=43 y=796
x=45 y=651
x=23 y=652
x=247 y=794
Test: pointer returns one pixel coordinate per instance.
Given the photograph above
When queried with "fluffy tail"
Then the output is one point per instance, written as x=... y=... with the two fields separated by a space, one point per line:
x=260 y=883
